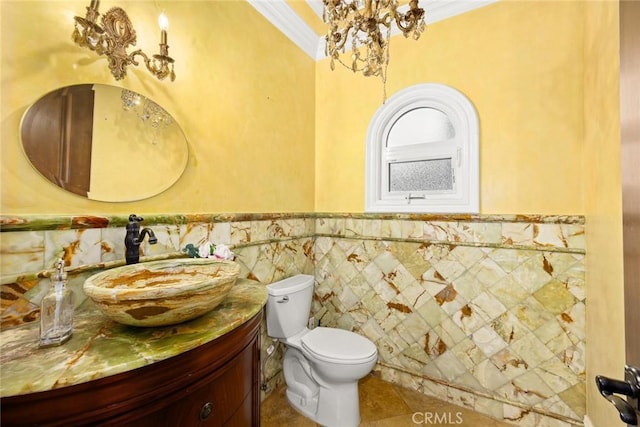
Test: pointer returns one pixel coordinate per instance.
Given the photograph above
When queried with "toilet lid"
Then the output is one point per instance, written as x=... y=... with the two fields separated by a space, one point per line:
x=338 y=344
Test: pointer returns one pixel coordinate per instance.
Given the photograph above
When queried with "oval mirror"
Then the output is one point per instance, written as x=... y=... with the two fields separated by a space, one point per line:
x=104 y=142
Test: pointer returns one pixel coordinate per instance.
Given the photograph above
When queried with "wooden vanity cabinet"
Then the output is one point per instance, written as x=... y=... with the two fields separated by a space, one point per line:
x=216 y=384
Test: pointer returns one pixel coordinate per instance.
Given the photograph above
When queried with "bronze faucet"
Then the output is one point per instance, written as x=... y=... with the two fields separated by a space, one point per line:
x=134 y=237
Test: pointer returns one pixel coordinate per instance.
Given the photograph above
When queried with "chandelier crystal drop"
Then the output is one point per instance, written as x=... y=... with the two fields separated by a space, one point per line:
x=145 y=109
x=364 y=27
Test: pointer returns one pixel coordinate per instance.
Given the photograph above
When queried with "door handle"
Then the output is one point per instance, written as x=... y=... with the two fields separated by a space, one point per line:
x=609 y=388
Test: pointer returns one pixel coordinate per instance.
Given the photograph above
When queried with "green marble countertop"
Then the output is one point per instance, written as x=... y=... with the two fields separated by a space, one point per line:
x=101 y=347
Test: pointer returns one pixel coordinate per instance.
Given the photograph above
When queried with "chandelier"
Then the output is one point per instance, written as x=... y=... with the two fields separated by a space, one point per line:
x=114 y=37
x=145 y=109
x=364 y=26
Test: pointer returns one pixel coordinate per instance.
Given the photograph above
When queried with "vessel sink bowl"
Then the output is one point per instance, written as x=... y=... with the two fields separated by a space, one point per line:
x=160 y=293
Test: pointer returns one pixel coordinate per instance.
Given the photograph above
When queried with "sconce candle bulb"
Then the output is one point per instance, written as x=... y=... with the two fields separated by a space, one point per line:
x=163 y=21
x=113 y=38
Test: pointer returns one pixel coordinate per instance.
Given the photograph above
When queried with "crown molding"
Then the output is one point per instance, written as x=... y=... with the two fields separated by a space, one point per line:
x=317 y=6
x=439 y=10
x=280 y=14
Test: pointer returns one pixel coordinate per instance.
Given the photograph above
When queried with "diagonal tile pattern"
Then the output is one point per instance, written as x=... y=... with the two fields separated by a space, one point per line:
x=486 y=312
x=495 y=312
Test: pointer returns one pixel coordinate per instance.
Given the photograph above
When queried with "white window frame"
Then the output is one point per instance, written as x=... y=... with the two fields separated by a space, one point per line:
x=463 y=149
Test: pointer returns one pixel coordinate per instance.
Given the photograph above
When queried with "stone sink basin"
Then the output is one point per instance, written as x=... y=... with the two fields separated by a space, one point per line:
x=159 y=293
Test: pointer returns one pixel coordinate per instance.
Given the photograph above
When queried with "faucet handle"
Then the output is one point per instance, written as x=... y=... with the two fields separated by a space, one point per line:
x=135 y=218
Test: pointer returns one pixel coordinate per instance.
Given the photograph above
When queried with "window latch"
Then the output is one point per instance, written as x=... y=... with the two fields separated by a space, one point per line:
x=411 y=197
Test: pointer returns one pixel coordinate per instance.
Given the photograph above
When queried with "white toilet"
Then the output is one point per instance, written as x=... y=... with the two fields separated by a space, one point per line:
x=322 y=366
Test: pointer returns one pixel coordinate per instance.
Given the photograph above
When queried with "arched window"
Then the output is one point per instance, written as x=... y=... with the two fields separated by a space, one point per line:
x=422 y=153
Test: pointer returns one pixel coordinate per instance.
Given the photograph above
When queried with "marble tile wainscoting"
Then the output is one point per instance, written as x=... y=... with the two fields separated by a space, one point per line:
x=268 y=247
x=486 y=312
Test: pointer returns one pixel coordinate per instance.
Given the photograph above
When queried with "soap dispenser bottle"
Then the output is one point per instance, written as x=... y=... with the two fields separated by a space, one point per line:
x=56 y=310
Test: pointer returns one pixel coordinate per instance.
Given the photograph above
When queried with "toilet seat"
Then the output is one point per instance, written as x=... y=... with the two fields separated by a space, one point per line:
x=338 y=346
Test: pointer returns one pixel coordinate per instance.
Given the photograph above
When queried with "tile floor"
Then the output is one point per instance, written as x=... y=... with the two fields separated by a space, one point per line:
x=383 y=404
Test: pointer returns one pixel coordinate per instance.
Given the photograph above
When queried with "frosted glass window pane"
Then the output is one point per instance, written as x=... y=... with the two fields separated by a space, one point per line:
x=422 y=175
x=420 y=125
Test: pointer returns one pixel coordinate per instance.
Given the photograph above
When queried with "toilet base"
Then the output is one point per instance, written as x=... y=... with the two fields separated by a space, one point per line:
x=335 y=407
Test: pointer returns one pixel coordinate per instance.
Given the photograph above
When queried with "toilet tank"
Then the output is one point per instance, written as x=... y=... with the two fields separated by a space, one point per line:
x=288 y=305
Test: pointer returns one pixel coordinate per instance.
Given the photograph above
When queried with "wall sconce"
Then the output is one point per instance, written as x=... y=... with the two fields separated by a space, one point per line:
x=114 y=37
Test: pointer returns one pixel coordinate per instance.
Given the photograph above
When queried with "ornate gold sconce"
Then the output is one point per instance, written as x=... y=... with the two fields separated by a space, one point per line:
x=114 y=37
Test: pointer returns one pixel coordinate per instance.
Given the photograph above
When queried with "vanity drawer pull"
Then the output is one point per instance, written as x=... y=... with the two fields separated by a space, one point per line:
x=206 y=411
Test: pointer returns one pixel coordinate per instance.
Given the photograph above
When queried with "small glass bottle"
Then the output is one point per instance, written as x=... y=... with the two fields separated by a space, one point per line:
x=56 y=310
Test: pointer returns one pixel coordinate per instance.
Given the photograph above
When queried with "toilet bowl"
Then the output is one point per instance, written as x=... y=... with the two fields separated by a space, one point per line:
x=321 y=366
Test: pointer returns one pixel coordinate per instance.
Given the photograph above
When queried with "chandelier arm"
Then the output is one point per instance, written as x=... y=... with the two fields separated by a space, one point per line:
x=405 y=28
x=344 y=35
x=387 y=19
x=412 y=18
x=378 y=4
x=338 y=37
x=367 y=8
x=353 y=8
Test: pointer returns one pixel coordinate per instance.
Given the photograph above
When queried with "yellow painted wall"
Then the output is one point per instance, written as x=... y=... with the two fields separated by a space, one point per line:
x=544 y=79
x=542 y=75
x=603 y=207
x=244 y=96
x=521 y=65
